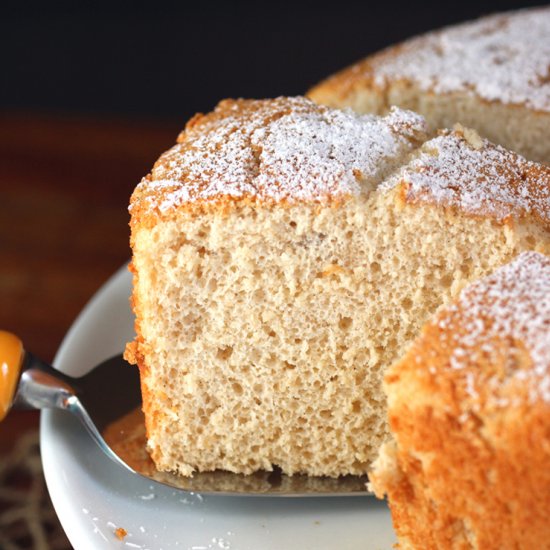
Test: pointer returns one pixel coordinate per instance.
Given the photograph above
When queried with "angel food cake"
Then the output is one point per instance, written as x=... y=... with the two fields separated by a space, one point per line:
x=492 y=75
x=469 y=408
x=285 y=253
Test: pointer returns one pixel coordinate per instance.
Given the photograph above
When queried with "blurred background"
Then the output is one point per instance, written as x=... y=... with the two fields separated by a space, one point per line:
x=91 y=94
x=171 y=59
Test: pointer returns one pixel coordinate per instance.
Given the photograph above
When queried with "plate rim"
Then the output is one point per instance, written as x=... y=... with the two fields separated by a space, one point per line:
x=66 y=507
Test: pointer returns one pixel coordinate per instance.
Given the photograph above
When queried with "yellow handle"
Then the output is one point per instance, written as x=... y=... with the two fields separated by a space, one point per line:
x=11 y=359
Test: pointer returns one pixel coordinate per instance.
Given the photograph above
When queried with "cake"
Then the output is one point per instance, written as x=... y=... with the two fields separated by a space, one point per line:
x=469 y=409
x=492 y=74
x=285 y=253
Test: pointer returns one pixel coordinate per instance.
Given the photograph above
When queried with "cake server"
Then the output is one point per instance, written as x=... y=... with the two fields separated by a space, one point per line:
x=107 y=401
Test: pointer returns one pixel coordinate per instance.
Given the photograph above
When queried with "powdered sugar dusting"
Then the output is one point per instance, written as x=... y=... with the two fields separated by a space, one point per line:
x=513 y=303
x=484 y=180
x=282 y=149
x=502 y=58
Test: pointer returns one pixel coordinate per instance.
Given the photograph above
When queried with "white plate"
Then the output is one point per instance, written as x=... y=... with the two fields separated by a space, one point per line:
x=93 y=496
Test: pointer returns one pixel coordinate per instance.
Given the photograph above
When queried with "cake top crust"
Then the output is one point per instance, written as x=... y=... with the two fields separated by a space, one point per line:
x=503 y=58
x=275 y=150
x=513 y=306
x=460 y=169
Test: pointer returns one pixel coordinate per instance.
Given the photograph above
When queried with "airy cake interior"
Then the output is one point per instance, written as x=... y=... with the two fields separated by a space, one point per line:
x=266 y=317
x=268 y=329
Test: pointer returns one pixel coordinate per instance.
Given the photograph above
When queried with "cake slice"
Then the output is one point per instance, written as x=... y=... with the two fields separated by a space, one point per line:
x=492 y=74
x=469 y=408
x=285 y=253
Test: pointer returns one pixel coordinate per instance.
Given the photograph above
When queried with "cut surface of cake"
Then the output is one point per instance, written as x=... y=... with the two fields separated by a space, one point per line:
x=285 y=253
x=492 y=74
x=469 y=409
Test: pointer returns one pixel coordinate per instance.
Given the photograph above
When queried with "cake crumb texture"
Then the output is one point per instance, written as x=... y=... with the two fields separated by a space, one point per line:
x=264 y=326
x=121 y=533
x=469 y=410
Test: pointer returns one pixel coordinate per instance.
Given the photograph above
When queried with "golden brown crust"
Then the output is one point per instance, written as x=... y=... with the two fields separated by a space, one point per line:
x=456 y=170
x=470 y=412
x=135 y=353
x=132 y=352
x=278 y=151
x=500 y=59
x=152 y=203
x=460 y=171
x=338 y=89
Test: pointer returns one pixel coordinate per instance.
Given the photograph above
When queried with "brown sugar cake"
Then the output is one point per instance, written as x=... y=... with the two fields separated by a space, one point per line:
x=492 y=74
x=469 y=408
x=284 y=253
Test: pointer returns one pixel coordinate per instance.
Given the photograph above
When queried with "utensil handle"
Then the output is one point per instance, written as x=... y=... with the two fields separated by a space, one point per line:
x=11 y=361
x=28 y=382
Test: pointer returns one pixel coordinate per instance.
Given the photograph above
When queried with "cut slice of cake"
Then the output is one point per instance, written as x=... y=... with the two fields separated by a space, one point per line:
x=284 y=254
x=469 y=408
x=492 y=75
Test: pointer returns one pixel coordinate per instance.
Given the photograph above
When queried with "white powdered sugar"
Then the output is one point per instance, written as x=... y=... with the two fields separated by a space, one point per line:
x=513 y=303
x=503 y=58
x=485 y=180
x=283 y=149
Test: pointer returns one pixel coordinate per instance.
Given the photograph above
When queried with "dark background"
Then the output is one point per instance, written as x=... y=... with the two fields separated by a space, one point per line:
x=168 y=60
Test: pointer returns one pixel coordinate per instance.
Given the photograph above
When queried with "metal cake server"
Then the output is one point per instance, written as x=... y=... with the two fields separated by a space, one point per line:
x=107 y=401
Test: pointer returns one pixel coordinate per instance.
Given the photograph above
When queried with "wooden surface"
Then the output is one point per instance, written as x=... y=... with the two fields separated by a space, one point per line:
x=64 y=189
